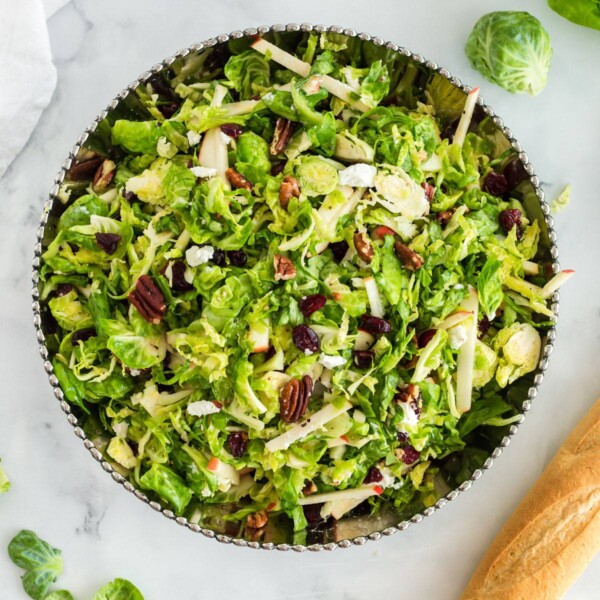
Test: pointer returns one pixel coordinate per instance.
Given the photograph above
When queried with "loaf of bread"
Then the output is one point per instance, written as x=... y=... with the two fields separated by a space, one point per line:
x=555 y=531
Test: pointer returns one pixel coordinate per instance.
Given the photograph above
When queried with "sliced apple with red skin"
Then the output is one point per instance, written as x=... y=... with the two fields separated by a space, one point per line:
x=465 y=119
x=258 y=335
x=466 y=355
x=289 y=61
x=558 y=280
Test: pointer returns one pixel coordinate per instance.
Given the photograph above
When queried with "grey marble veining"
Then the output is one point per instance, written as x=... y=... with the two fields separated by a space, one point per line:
x=104 y=533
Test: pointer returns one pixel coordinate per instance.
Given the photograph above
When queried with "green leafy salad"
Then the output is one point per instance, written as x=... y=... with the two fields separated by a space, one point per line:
x=300 y=285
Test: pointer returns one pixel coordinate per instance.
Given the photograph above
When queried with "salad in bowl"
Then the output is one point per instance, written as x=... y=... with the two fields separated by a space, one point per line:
x=293 y=281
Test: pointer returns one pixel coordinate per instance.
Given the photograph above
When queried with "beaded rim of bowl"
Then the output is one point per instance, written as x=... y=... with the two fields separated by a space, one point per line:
x=72 y=419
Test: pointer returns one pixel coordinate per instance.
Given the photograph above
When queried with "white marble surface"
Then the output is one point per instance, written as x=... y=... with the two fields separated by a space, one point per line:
x=61 y=493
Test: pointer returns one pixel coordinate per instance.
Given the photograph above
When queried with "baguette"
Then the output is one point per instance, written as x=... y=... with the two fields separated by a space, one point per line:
x=555 y=531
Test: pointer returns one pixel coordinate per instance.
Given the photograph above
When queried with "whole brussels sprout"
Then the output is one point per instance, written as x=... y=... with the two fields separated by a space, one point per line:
x=511 y=49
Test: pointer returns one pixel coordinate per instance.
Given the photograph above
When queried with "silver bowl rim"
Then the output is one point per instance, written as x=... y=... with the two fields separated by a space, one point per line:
x=72 y=419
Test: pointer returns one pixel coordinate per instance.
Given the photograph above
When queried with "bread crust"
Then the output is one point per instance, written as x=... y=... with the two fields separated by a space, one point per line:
x=554 y=533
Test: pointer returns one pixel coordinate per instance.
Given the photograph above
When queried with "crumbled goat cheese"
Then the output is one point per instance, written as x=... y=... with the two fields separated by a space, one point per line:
x=358 y=175
x=331 y=362
x=457 y=336
x=201 y=408
x=196 y=256
x=193 y=138
x=410 y=416
x=203 y=171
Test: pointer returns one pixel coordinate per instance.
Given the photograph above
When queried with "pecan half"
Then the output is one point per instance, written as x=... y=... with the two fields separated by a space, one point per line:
x=408 y=393
x=104 y=175
x=309 y=488
x=258 y=519
x=429 y=190
x=294 y=398
x=237 y=180
x=84 y=169
x=409 y=257
x=148 y=300
x=281 y=136
x=363 y=246
x=443 y=217
x=289 y=187
x=284 y=268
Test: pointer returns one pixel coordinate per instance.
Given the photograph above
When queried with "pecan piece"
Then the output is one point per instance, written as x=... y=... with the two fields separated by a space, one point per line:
x=104 y=175
x=148 y=300
x=363 y=246
x=294 y=398
x=237 y=180
x=85 y=169
x=284 y=268
x=408 y=393
x=429 y=190
x=443 y=217
x=289 y=187
x=409 y=257
x=258 y=519
x=281 y=136
x=309 y=488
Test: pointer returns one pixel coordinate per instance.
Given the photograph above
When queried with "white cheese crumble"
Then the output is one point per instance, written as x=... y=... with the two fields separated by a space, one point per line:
x=457 y=336
x=389 y=479
x=197 y=256
x=331 y=362
x=410 y=416
x=134 y=372
x=203 y=171
x=358 y=175
x=201 y=408
x=193 y=138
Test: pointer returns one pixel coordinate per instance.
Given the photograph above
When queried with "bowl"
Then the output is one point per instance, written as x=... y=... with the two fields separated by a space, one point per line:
x=355 y=530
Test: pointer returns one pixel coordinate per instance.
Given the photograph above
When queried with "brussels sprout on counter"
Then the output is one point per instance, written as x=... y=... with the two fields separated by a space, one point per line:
x=511 y=49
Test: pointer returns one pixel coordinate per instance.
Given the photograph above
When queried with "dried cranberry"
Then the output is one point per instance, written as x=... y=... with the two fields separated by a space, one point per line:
x=338 y=250
x=495 y=184
x=425 y=337
x=218 y=257
x=312 y=512
x=162 y=87
x=409 y=454
x=63 y=289
x=374 y=325
x=402 y=437
x=483 y=325
x=509 y=218
x=306 y=339
x=179 y=282
x=237 y=258
x=168 y=110
x=429 y=190
x=363 y=359
x=270 y=353
x=81 y=335
x=278 y=167
x=109 y=242
x=373 y=475
x=237 y=442
x=515 y=172
x=310 y=304
x=233 y=130
x=130 y=197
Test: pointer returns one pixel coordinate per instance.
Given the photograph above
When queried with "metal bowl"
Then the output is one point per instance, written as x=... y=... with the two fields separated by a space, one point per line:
x=354 y=530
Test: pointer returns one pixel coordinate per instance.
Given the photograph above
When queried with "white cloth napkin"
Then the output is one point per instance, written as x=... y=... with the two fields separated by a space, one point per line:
x=27 y=75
